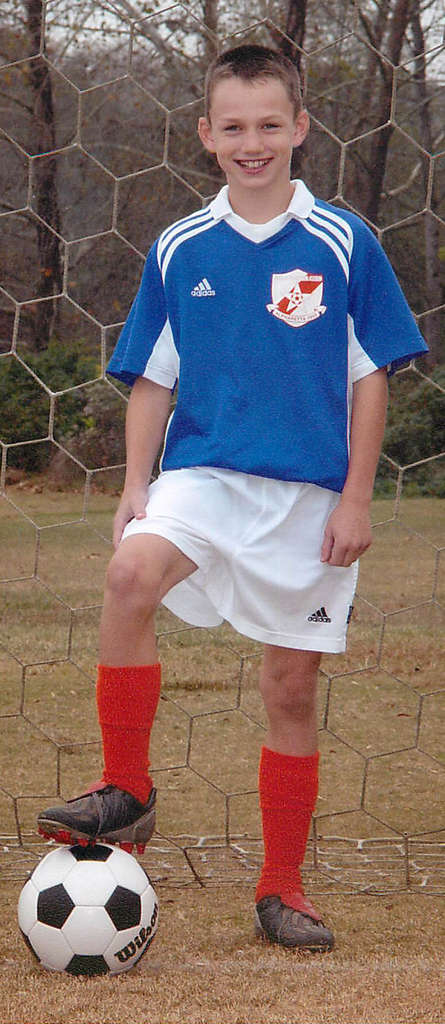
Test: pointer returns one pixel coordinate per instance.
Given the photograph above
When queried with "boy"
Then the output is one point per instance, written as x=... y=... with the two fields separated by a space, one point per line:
x=276 y=315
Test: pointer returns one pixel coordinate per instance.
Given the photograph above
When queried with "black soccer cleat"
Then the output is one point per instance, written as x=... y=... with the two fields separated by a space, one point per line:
x=106 y=814
x=293 y=929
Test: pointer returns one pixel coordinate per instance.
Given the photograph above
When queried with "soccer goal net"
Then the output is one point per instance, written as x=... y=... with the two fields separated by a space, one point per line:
x=99 y=153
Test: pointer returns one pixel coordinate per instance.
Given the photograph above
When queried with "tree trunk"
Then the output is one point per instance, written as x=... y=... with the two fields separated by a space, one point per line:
x=210 y=15
x=433 y=289
x=295 y=30
x=380 y=144
x=375 y=33
x=50 y=277
x=292 y=47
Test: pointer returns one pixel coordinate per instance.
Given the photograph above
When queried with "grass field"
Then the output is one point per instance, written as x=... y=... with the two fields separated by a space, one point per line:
x=205 y=967
x=375 y=860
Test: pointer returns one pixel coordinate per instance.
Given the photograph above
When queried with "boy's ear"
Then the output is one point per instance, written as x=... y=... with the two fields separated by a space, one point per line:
x=205 y=134
x=302 y=125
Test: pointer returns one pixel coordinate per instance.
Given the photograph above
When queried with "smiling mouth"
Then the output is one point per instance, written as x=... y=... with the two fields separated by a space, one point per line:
x=254 y=165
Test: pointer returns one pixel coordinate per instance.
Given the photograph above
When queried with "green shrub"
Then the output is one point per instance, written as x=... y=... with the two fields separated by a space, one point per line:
x=25 y=404
x=415 y=430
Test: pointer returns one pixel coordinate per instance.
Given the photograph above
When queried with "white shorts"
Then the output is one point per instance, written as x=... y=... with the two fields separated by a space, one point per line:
x=257 y=545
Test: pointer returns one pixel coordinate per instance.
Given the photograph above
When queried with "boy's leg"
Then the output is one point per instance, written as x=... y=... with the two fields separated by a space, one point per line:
x=288 y=785
x=121 y=807
x=144 y=568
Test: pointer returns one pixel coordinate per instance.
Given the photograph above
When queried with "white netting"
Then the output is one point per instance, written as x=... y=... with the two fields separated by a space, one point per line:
x=99 y=153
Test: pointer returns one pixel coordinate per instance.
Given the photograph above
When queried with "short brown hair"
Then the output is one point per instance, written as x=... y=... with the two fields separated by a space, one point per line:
x=249 y=62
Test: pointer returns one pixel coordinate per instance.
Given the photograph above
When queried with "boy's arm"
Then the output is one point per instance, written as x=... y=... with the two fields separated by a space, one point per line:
x=348 y=530
x=147 y=414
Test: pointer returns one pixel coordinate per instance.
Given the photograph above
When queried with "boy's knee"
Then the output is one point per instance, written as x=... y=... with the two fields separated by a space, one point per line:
x=129 y=579
x=288 y=686
x=288 y=701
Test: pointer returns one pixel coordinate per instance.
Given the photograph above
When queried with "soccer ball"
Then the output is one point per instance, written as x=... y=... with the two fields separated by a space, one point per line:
x=88 y=910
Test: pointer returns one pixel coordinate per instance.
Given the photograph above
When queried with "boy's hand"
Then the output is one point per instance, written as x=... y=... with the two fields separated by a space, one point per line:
x=347 y=534
x=131 y=506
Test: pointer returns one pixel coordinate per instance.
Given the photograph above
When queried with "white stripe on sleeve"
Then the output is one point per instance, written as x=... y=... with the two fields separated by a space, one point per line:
x=163 y=365
x=360 y=364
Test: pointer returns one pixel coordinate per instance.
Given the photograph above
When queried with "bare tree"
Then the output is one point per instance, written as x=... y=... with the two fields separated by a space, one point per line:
x=291 y=44
x=295 y=29
x=433 y=288
x=210 y=17
x=397 y=29
x=45 y=184
x=351 y=94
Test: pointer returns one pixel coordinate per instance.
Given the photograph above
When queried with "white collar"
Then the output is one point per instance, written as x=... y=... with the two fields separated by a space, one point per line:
x=300 y=206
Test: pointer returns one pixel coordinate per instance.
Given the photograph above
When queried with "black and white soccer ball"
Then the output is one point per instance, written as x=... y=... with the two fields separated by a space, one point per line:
x=88 y=910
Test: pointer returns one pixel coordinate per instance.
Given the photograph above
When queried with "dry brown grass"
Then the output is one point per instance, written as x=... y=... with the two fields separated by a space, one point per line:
x=383 y=705
x=206 y=967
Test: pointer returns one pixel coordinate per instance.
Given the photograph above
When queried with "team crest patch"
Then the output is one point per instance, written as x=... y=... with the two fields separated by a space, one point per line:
x=297 y=297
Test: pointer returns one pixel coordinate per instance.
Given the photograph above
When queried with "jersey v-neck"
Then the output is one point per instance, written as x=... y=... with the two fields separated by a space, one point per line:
x=257 y=232
x=300 y=206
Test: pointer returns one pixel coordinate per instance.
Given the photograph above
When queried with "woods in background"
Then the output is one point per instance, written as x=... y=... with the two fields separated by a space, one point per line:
x=99 y=151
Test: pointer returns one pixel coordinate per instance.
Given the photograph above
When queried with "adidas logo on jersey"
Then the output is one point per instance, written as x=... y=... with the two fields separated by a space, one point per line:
x=320 y=615
x=203 y=289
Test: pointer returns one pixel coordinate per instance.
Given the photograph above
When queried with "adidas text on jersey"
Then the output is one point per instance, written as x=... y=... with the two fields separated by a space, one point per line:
x=203 y=289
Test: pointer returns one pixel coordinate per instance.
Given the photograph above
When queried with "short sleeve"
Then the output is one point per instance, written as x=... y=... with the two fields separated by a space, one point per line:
x=382 y=321
x=145 y=347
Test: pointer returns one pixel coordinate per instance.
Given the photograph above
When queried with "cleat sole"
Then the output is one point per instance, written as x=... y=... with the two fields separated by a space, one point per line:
x=58 y=834
x=66 y=838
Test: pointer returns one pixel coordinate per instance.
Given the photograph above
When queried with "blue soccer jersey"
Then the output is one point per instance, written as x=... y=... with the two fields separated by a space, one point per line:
x=264 y=339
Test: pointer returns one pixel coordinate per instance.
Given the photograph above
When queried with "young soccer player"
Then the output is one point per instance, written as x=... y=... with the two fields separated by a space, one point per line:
x=276 y=316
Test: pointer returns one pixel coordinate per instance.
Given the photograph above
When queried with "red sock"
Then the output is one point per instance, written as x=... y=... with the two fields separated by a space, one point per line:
x=127 y=699
x=288 y=792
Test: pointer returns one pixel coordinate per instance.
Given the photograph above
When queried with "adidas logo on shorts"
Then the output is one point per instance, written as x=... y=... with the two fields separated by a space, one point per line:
x=320 y=615
x=202 y=289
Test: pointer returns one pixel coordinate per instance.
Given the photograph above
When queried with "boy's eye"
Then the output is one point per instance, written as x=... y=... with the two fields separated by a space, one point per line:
x=267 y=126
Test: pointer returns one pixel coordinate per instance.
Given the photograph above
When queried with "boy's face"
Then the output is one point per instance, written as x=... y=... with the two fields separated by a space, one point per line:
x=252 y=129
